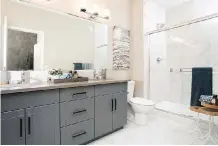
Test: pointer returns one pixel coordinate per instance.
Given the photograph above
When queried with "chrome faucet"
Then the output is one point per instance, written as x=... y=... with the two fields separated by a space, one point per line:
x=95 y=75
x=103 y=74
x=25 y=77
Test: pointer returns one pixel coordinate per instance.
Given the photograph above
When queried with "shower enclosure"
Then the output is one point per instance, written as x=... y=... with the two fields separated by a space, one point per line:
x=174 y=51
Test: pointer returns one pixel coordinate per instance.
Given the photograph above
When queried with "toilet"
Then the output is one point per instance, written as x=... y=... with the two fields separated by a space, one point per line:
x=141 y=106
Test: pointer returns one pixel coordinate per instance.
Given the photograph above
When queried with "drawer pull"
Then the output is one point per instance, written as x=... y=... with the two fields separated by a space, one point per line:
x=21 y=128
x=29 y=126
x=115 y=104
x=78 y=134
x=112 y=105
x=79 y=112
x=82 y=93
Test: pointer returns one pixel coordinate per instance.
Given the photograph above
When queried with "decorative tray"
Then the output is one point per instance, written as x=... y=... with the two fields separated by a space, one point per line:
x=209 y=105
x=56 y=81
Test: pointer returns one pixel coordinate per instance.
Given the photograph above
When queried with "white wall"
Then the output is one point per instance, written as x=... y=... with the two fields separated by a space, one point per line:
x=65 y=37
x=145 y=16
x=153 y=14
x=137 y=47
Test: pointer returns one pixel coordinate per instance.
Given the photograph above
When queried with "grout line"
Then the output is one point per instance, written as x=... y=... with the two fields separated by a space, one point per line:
x=185 y=116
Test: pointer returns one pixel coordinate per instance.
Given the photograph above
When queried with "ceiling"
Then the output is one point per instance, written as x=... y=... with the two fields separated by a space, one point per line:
x=170 y=3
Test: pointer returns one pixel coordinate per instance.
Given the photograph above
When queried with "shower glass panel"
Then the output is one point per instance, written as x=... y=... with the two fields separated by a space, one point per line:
x=172 y=55
x=165 y=13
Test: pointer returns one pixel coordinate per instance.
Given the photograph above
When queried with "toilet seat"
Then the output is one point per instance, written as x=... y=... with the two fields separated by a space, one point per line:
x=142 y=101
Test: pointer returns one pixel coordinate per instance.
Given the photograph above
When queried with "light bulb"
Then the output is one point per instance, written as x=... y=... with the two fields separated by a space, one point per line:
x=83 y=6
x=107 y=13
x=95 y=9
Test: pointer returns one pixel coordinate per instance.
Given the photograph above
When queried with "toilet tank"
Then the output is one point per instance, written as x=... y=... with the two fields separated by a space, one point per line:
x=130 y=88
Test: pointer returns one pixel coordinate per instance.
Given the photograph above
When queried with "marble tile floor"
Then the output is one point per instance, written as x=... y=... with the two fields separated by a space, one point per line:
x=163 y=129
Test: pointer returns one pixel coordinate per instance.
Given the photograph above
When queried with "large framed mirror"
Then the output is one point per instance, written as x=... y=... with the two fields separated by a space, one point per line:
x=38 y=39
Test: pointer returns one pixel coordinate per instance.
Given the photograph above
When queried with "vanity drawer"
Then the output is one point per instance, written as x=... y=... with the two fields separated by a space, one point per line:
x=76 y=111
x=16 y=101
x=69 y=94
x=110 y=88
x=78 y=134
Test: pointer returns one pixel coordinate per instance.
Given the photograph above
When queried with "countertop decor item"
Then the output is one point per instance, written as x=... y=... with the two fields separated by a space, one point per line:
x=79 y=79
x=75 y=75
x=209 y=99
x=55 y=72
x=121 y=48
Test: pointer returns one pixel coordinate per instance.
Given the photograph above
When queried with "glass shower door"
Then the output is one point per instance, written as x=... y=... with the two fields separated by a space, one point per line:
x=164 y=77
x=173 y=54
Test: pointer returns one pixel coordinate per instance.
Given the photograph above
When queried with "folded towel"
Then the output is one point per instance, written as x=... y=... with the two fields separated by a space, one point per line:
x=206 y=98
x=202 y=84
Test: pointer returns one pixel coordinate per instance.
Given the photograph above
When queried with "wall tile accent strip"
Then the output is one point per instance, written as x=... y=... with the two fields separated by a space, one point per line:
x=121 y=48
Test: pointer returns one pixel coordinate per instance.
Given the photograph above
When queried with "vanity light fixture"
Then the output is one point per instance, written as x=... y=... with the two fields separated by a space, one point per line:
x=95 y=14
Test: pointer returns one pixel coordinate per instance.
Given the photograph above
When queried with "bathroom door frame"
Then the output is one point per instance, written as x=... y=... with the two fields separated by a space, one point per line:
x=147 y=50
x=40 y=41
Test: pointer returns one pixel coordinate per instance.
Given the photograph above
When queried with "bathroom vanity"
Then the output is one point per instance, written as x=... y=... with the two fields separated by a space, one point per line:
x=63 y=113
x=66 y=113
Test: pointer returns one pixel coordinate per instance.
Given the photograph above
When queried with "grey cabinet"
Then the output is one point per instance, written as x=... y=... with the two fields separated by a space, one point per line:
x=120 y=110
x=110 y=108
x=13 y=128
x=37 y=121
x=42 y=125
x=63 y=116
x=33 y=126
x=103 y=115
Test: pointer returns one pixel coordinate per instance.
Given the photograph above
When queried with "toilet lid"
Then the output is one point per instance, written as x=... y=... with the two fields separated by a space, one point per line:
x=141 y=101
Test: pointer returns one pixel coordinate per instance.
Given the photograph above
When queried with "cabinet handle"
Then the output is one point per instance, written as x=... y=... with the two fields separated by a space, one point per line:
x=78 y=112
x=78 y=134
x=29 y=126
x=112 y=105
x=115 y=104
x=21 y=128
x=82 y=93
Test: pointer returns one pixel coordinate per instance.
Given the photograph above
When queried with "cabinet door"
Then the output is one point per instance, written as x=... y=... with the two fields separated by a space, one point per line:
x=42 y=125
x=13 y=128
x=120 y=110
x=103 y=115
